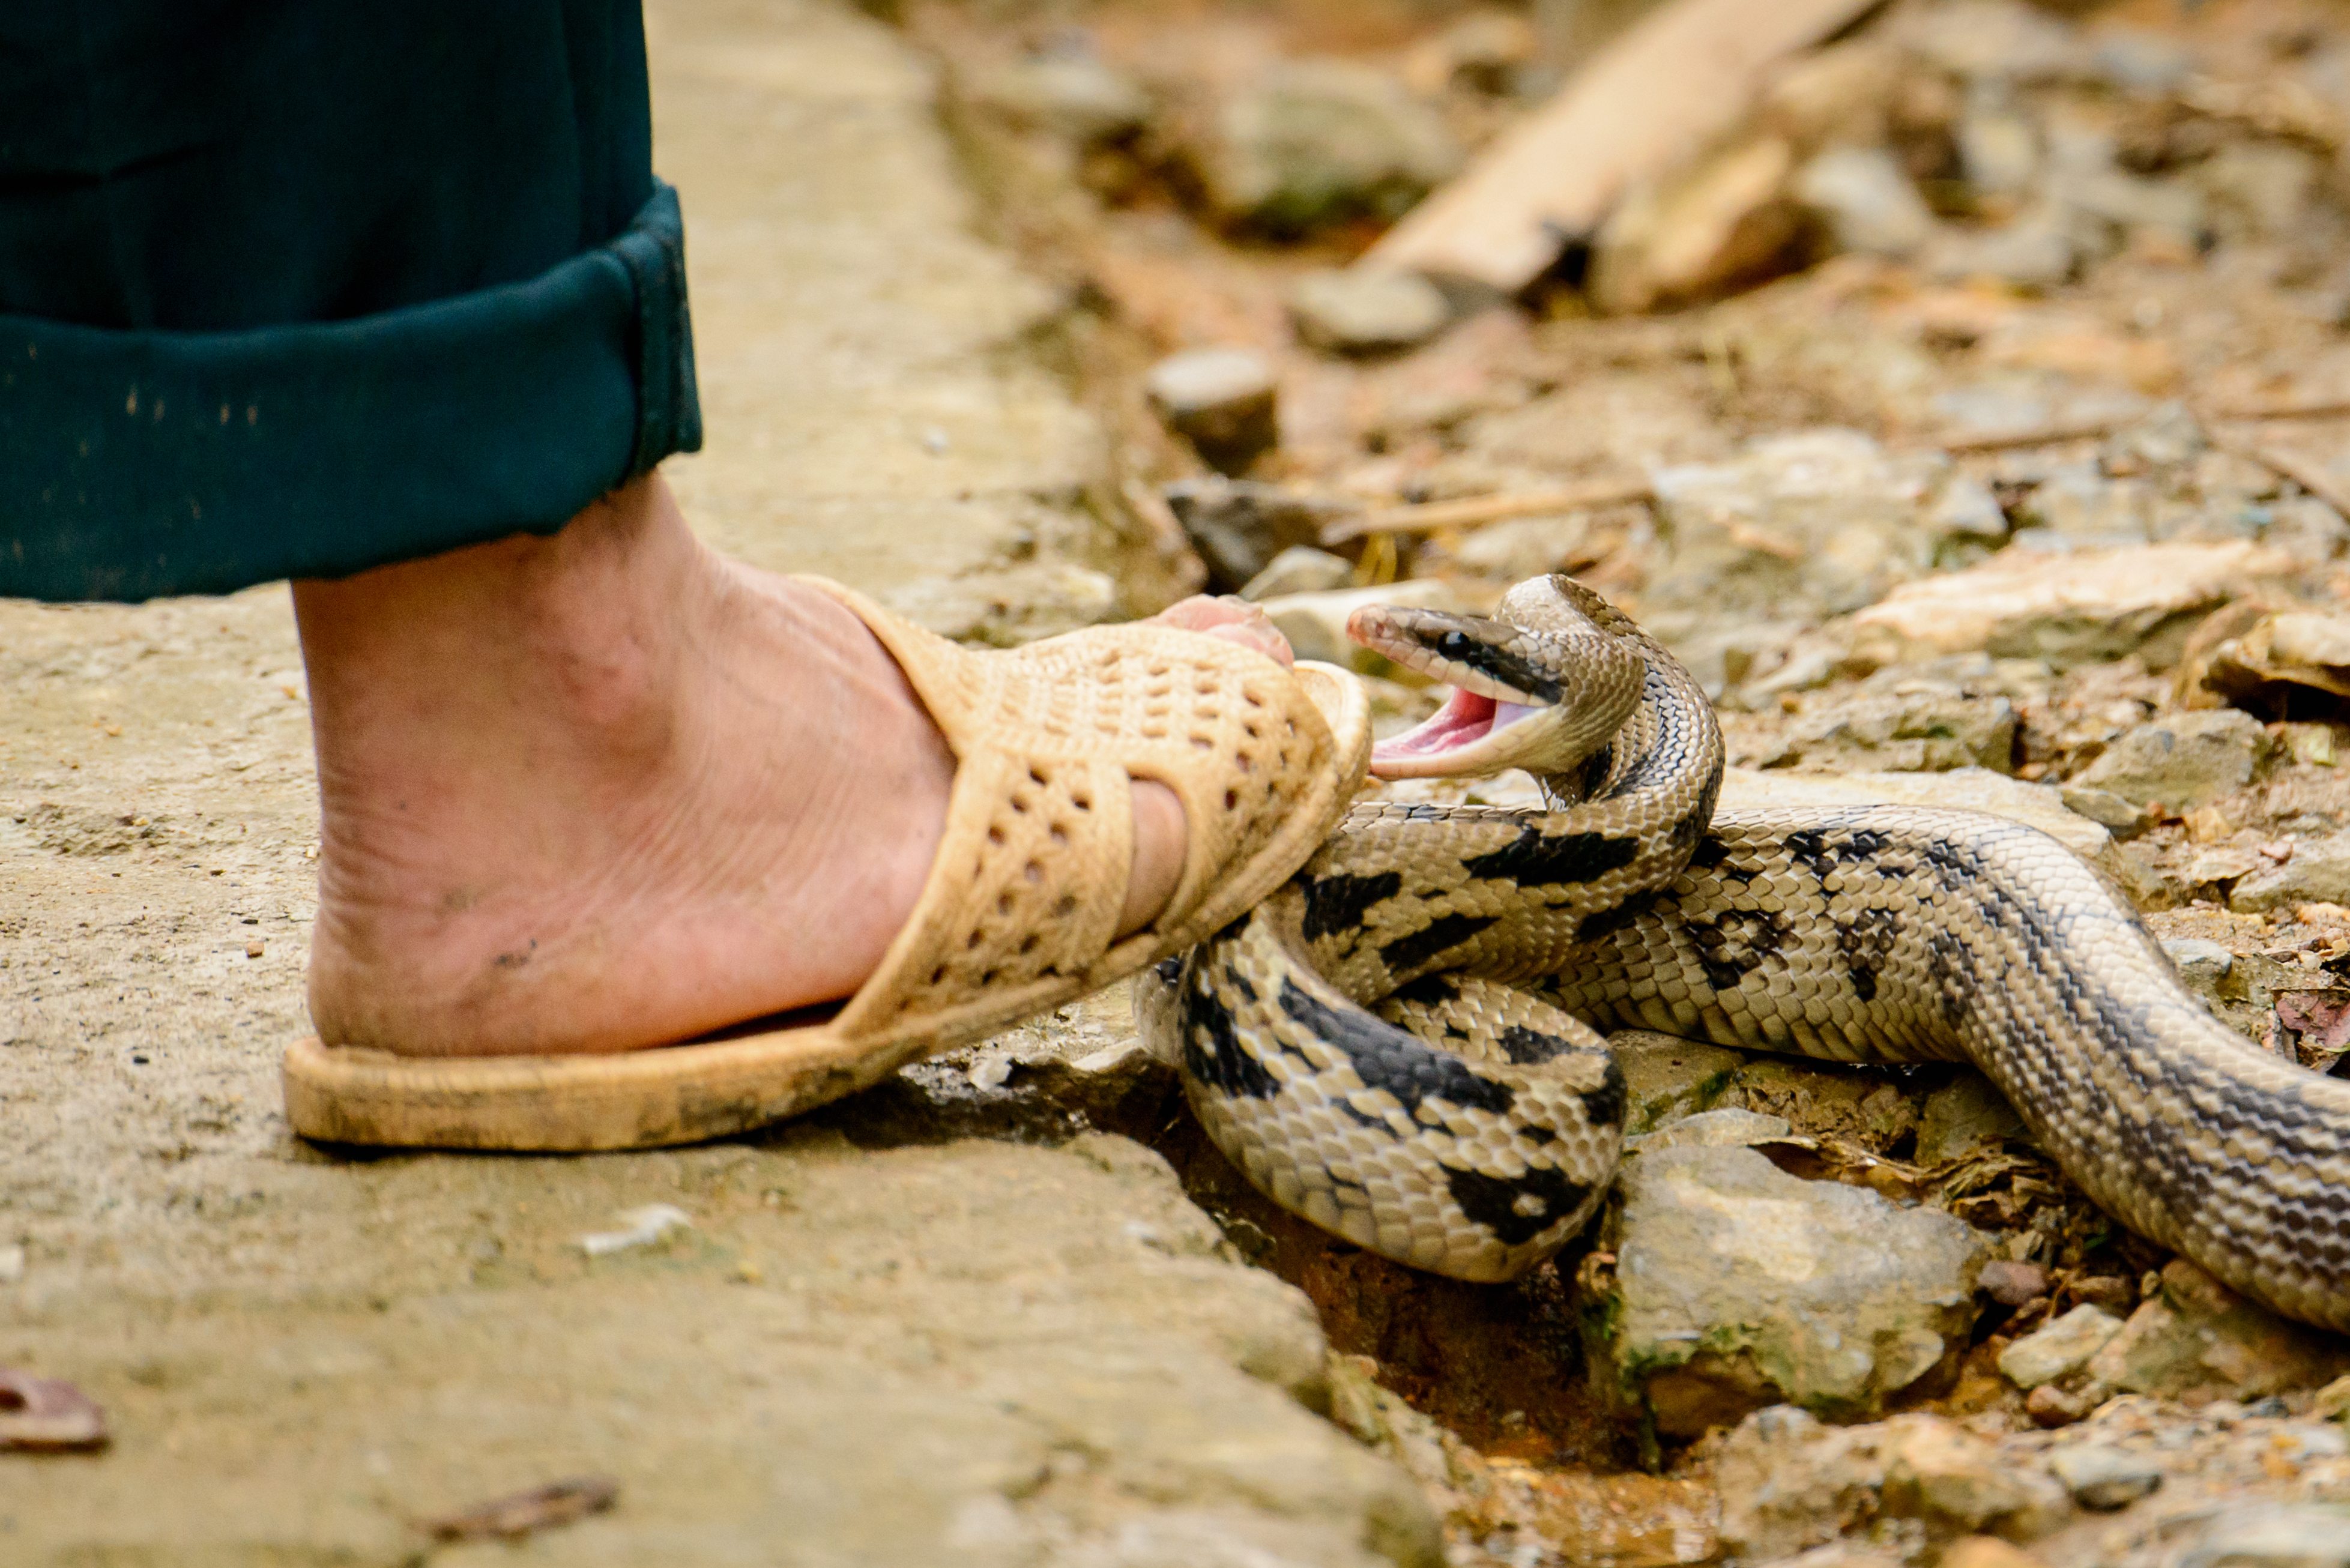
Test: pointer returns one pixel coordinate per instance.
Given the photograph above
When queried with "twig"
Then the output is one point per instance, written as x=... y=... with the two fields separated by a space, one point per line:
x=1472 y=510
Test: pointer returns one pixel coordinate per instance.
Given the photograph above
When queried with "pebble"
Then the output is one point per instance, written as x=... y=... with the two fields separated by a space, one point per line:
x=1319 y=142
x=2102 y=1478
x=2051 y=1405
x=2204 y=965
x=1864 y=201
x=12 y=1264
x=1725 y=222
x=1355 y=311
x=2182 y=760
x=1221 y=400
x=2122 y=818
x=1239 y=526
x=1075 y=95
x=2193 y=1337
x=1299 y=569
x=2036 y=251
x=2011 y=1283
x=2063 y=1346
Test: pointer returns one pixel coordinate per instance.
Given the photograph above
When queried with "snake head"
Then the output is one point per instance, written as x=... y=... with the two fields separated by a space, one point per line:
x=1542 y=690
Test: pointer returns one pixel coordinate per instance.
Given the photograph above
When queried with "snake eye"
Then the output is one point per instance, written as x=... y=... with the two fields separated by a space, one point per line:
x=1452 y=645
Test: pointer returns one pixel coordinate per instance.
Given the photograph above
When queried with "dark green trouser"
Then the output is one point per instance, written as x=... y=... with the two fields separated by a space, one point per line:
x=293 y=289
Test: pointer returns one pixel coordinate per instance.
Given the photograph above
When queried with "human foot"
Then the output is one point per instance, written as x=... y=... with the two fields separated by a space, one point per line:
x=606 y=790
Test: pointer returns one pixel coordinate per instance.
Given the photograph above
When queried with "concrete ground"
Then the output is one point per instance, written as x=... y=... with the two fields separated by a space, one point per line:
x=966 y=1352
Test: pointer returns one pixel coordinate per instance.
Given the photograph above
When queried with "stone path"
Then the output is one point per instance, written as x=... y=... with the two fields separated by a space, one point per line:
x=976 y=1353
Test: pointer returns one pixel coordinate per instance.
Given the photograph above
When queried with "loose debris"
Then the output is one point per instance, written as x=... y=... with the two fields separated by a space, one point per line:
x=643 y=1227
x=47 y=1415
x=1966 y=398
x=524 y=1513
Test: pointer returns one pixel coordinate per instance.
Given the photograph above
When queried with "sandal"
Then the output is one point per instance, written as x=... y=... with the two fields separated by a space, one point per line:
x=1017 y=916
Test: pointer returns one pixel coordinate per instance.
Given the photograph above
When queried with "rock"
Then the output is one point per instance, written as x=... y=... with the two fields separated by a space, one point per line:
x=2183 y=760
x=1963 y=1115
x=1998 y=150
x=2274 y=1535
x=2102 y=1478
x=1737 y=1286
x=1937 y=1472
x=1789 y=1483
x=2069 y=611
x=1523 y=547
x=2196 y=1337
x=2035 y=251
x=2129 y=202
x=1727 y=1128
x=1805 y=526
x=1321 y=141
x=1075 y=95
x=1316 y=624
x=1299 y=569
x=2318 y=873
x=1221 y=400
x=1724 y=222
x=2122 y=818
x=2077 y=507
x=2010 y=1284
x=1864 y=202
x=1239 y=526
x=1932 y=728
x=1354 y=311
x=1666 y=1078
x=2063 y=1346
x=2296 y=661
x=2204 y=966
x=2051 y=1405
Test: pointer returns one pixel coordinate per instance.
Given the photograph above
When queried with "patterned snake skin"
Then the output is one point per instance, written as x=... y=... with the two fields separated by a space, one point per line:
x=1390 y=1045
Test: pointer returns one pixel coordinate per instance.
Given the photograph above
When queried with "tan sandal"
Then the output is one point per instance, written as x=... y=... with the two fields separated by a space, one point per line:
x=1018 y=915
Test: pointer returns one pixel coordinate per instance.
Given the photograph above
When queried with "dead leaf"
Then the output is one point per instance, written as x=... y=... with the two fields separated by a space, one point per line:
x=47 y=1415
x=515 y=1516
x=2322 y=1018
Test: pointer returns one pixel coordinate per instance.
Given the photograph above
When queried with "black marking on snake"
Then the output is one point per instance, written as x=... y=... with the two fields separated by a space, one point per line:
x=1526 y=1046
x=1439 y=935
x=1538 y=859
x=1212 y=1051
x=1241 y=983
x=1863 y=941
x=1339 y=902
x=1516 y=1209
x=1735 y=943
x=1499 y=664
x=1604 y=1106
x=1232 y=928
x=1385 y=1057
x=1429 y=991
x=1608 y=921
x=1710 y=853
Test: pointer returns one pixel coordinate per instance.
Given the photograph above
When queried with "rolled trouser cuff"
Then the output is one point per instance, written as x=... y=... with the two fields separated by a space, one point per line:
x=137 y=464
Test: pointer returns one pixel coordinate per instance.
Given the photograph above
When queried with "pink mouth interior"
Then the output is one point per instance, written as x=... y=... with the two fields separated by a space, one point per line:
x=1465 y=719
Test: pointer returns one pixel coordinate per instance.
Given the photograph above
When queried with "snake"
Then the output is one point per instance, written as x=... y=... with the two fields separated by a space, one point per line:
x=1402 y=1044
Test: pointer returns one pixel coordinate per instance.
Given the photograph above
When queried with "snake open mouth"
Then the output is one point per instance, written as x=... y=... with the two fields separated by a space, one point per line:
x=1460 y=726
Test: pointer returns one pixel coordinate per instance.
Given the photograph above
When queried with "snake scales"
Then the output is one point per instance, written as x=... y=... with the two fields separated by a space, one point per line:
x=1397 y=1045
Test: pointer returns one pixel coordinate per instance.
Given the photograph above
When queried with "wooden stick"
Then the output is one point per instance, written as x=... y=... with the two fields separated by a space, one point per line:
x=1682 y=74
x=1471 y=510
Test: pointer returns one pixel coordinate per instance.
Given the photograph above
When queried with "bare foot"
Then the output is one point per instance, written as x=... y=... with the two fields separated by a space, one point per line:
x=607 y=789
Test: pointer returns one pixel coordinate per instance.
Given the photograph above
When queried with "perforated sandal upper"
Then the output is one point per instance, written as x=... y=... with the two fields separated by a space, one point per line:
x=1023 y=900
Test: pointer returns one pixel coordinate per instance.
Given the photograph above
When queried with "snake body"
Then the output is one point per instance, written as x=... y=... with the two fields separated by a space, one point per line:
x=1396 y=1045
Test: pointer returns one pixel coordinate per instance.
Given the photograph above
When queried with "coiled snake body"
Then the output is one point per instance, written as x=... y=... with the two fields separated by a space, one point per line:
x=1397 y=1045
